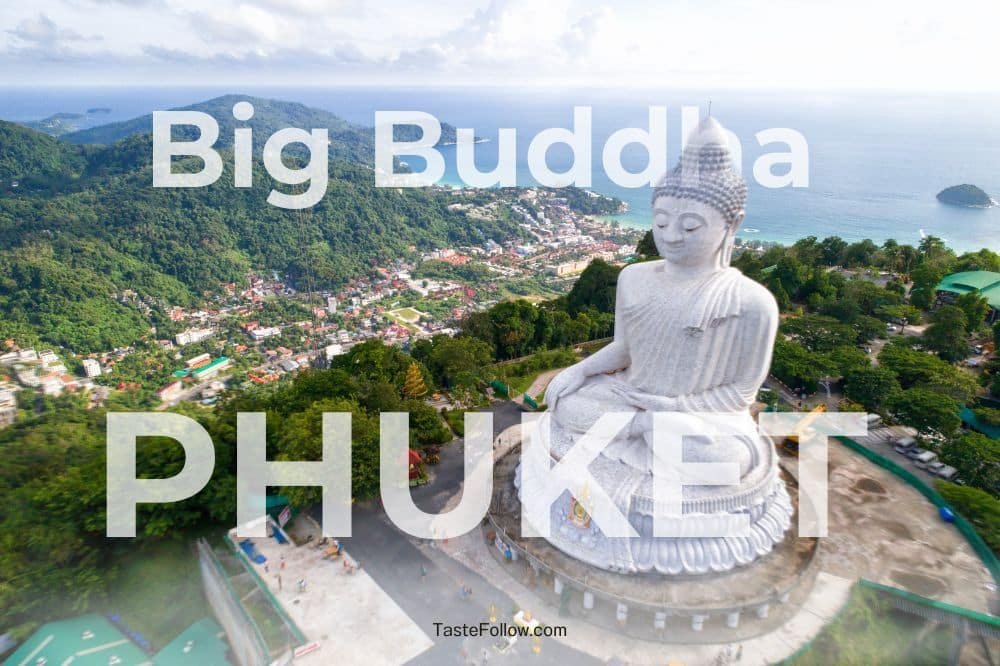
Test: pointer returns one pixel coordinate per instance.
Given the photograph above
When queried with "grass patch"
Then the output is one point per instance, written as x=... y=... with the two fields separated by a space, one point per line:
x=406 y=315
x=157 y=591
x=456 y=421
x=520 y=376
x=869 y=631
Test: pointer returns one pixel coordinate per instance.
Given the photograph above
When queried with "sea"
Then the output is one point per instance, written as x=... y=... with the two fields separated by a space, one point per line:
x=875 y=160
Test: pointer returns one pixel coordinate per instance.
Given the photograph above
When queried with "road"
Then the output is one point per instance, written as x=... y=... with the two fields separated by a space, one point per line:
x=395 y=561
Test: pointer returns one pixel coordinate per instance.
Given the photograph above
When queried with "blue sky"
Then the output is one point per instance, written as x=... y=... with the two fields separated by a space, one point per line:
x=783 y=44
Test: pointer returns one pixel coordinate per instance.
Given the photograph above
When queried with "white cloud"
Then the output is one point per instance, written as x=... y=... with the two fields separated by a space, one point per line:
x=42 y=32
x=781 y=43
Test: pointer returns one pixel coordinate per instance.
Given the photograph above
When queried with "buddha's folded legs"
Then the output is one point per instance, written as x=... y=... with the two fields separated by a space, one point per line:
x=581 y=409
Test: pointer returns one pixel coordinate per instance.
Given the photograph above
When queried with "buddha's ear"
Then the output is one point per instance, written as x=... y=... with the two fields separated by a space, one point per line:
x=738 y=219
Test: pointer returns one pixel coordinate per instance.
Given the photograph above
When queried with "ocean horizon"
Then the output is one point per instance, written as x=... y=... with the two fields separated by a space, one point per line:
x=876 y=161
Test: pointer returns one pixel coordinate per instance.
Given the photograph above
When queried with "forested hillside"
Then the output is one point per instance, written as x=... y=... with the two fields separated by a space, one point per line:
x=355 y=143
x=84 y=223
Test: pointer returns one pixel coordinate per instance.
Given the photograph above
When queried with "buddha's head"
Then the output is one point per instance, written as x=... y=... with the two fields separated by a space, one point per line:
x=698 y=206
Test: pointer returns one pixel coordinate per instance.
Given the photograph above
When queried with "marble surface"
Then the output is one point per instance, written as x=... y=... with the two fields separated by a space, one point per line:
x=693 y=339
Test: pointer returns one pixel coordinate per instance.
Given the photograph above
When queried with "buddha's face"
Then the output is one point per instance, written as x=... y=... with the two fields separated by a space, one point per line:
x=686 y=232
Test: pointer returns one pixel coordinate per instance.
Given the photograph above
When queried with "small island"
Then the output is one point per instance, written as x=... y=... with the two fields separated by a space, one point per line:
x=966 y=195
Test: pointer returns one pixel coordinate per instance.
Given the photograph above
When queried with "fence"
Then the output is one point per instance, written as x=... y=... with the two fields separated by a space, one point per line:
x=937 y=611
x=984 y=552
x=288 y=631
x=244 y=635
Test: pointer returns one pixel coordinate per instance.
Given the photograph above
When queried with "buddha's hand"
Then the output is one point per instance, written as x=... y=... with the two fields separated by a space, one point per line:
x=563 y=384
x=644 y=401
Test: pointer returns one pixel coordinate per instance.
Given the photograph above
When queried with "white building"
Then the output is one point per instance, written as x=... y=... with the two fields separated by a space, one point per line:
x=8 y=407
x=334 y=350
x=331 y=305
x=193 y=335
x=91 y=367
x=171 y=391
x=52 y=385
x=264 y=332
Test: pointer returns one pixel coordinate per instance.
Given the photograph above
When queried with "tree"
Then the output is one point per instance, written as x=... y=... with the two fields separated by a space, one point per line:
x=779 y=292
x=413 y=385
x=458 y=361
x=929 y=412
x=996 y=334
x=818 y=287
x=983 y=260
x=933 y=250
x=374 y=361
x=975 y=308
x=847 y=359
x=514 y=328
x=300 y=437
x=979 y=508
x=868 y=328
x=874 y=387
x=916 y=368
x=900 y=313
x=947 y=333
x=818 y=333
x=595 y=288
x=908 y=258
x=925 y=279
x=861 y=253
x=426 y=425
x=977 y=459
x=808 y=251
x=844 y=310
x=797 y=367
x=869 y=296
x=647 y=246
x=791 y=273
x=832 y=250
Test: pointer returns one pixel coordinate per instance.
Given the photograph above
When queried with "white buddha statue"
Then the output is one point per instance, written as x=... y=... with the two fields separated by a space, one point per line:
x=692 y=335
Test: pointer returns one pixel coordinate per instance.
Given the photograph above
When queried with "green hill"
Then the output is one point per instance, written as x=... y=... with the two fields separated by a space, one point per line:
x=25 y=153
x=92 y=226
x=966 y=195
x=354 y=143
x=349 y=142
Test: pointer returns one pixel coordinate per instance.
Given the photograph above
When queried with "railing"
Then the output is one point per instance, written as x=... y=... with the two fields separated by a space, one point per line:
x=937 y=611
x=243 y=632
x=266 y=591
x=773 y=596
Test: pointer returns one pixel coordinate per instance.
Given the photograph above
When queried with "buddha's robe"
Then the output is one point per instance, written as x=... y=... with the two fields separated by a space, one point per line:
x=700 y=346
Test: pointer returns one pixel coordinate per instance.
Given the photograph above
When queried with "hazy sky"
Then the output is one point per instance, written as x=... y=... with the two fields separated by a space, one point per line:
x=925 y=45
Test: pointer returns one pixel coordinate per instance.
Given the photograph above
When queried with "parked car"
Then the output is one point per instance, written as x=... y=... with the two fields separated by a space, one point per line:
x=906 y=442
x=923 y=459
x=892 y=328
x=947 y=472
x=935 y=466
